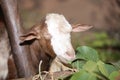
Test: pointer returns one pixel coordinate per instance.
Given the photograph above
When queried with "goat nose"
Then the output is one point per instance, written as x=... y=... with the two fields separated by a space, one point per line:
x=71 y=55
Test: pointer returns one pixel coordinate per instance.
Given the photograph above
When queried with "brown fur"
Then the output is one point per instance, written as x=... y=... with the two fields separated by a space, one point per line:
x=41 y=49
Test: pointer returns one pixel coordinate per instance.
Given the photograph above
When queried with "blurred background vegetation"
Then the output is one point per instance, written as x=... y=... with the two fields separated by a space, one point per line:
x=104 y=15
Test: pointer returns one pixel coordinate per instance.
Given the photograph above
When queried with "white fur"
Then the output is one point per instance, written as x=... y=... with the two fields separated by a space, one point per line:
x=59 y=28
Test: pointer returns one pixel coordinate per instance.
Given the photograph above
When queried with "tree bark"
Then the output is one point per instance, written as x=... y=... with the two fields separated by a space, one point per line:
x=21 y=54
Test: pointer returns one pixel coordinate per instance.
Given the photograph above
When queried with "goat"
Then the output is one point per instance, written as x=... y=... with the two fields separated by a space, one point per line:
x=52 y=37
x=46 y=40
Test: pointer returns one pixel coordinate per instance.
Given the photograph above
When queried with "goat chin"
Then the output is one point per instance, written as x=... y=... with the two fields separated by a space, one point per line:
x=57 y=65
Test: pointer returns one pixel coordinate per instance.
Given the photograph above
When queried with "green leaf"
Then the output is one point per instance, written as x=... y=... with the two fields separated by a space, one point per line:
x=98 y=43
x=87 y=53
x=78 y=64
x=114 y=75
x=102 y=68
x=110 y=68
x=101 y=36
x=90 y=66
x=116 y=64
x=83 y=75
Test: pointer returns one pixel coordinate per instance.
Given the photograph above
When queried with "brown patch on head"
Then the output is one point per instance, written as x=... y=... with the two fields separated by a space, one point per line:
x=39 y=41
x=45 y=41
x=46 y=45
x=40 y=33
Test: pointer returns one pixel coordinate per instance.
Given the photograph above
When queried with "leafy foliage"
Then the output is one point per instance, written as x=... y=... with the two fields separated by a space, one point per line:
x=105 y=43
x=87 y=53
x=102 y=39
x=90 y=67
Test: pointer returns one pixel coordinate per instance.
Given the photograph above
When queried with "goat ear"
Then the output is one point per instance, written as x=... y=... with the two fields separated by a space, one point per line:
x=80 y=27
x=29 y=36
x=33 y=34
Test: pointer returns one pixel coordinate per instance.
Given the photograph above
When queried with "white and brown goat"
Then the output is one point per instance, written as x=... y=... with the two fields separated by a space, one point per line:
x=46 y=40
x=53 y=37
